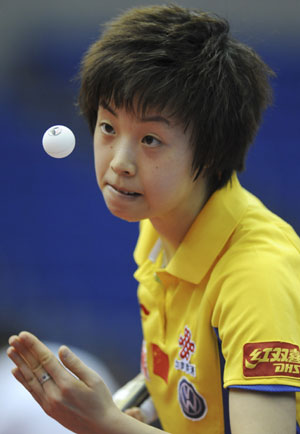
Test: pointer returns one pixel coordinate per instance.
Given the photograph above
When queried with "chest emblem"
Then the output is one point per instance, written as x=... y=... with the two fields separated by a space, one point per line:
x=188 y=348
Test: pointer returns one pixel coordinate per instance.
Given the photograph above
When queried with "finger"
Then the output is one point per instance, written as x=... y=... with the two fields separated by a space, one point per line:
x=24 y=352
x=44 y=359
x=17 y=373
x=31 y=361
x=136 y=413
x=77 y=367
x=25 y=375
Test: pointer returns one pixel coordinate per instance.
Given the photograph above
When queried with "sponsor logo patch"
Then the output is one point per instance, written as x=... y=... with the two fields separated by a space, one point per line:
x=192 y=404
x=271 y=359
x=188 y=348
x=144 y=363
x=160 y=363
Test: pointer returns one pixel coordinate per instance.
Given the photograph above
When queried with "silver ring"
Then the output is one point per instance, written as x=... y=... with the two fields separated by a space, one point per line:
x=45 y=377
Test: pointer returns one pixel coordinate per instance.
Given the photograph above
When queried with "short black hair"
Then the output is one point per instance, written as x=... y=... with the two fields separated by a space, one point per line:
x=185 y=62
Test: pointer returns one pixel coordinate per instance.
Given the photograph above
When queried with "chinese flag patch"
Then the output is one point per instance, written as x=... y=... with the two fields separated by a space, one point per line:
x=160 y=363
x=271 y=359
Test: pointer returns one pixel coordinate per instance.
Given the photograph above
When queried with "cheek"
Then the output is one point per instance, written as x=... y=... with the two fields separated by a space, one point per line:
x=174 y=182
x=101 y=162
x=163 y=182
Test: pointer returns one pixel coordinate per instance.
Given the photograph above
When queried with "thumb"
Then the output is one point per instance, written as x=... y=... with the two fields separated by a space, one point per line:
x=76 y=366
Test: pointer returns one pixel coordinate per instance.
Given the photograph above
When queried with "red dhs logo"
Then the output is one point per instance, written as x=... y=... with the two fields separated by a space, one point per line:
x=188 y=348
x=271 y=359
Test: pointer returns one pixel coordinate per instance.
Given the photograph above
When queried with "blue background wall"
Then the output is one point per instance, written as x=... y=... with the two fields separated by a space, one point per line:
x=65 y=263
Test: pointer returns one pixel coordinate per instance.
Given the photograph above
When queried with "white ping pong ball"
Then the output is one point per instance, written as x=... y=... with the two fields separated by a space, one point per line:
x=58 y=141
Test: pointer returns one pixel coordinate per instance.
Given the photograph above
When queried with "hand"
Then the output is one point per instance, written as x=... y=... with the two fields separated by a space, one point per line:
x=136 y=413
x=78 y=399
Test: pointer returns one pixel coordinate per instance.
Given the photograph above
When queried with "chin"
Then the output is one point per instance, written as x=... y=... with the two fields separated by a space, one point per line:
x=126 y=217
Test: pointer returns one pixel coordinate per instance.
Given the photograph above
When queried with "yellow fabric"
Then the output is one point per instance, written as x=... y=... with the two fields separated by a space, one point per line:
x=236 y=275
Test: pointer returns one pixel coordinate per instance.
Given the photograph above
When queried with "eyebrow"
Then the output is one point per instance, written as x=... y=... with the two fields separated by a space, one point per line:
x=154 y=118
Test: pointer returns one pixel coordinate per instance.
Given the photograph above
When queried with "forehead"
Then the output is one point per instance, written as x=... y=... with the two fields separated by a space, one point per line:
x=143 y=113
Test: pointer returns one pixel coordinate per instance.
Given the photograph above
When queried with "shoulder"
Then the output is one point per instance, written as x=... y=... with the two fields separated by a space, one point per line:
x=260 y=242
x=261 y=258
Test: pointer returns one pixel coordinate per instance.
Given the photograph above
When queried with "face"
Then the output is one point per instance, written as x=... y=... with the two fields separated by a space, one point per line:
x=143 y=167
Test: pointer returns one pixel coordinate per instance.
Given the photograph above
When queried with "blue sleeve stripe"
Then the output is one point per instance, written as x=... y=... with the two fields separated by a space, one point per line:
x=227 y=429
x=267 y=387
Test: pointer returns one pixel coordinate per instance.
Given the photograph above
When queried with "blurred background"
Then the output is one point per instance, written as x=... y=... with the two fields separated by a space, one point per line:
x=65 y=263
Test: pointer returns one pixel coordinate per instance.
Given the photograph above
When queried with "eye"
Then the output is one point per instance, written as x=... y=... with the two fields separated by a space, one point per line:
x=106 y=128
x=151 y=141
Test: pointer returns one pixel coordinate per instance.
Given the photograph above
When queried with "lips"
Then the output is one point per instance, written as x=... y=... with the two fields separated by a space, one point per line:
x=124 y=191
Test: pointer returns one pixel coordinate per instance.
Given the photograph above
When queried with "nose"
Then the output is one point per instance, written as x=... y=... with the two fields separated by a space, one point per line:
x=123 y=162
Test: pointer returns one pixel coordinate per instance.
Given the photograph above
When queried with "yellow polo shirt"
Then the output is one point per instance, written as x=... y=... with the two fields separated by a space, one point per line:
x=225 y=311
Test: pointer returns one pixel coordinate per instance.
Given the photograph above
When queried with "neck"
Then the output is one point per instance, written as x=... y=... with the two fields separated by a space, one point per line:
x=172 y=229
x=170 y=236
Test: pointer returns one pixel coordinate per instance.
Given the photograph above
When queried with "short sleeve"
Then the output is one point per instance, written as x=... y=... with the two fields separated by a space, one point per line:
x=257 y=316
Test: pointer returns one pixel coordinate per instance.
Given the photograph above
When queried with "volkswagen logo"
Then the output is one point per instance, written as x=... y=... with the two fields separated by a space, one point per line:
x=192 y=404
